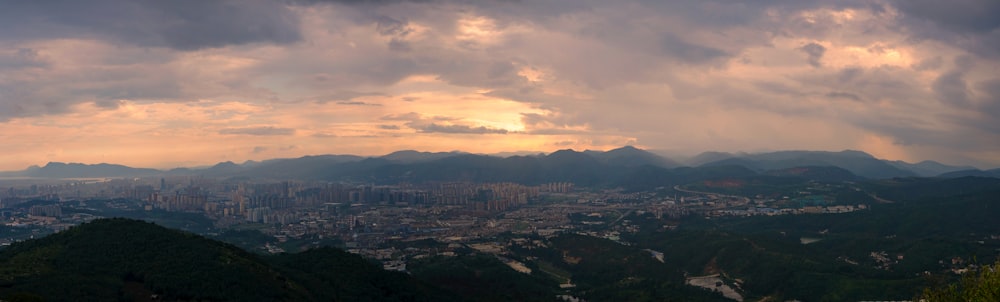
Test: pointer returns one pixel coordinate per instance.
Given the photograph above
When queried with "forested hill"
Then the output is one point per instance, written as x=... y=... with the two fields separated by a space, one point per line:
x=122 y=259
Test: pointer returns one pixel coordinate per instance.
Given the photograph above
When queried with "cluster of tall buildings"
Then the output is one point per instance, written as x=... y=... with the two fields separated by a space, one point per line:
x=187 y=199
x=53 y=210
x=557 y=187
x=279 y=202
x=484 y=197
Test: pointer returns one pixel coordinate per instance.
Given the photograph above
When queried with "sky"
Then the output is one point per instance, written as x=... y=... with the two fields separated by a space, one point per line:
x=164 y=84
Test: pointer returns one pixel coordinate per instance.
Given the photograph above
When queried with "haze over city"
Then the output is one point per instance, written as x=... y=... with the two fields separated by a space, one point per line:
x=163 y=84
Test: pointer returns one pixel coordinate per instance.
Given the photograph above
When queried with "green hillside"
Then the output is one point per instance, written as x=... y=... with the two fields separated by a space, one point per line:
x=122 y=259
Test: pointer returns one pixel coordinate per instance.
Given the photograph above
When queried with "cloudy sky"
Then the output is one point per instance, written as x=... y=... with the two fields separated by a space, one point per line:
x=182 y=83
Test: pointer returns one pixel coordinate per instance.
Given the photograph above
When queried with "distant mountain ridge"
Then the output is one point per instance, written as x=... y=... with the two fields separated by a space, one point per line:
x=711 y=156
x=928 y=168
x=820 y=173
x=411 y=156
x=632 y=157
x=78 y=170
x=995 y=173
x=587 y=167
x=857 y=162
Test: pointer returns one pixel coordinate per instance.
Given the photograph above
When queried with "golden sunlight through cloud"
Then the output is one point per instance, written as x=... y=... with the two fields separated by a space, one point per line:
x=883 y=147
x=371 y=78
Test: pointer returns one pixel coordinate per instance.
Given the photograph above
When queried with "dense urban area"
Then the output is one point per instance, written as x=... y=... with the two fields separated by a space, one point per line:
x=612 y=229
x=365 y=216
x=367 y=219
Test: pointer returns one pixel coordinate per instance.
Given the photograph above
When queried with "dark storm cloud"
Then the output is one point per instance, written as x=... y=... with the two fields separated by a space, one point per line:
x=9 y=107
x=388 y=26
x=970 y=24
x=355 y=2
x=18 y=96
x=357 y=103
x=455 y=129
x=929 y=64
x=990 y=105
x=31 y=88
x=487 y=72
x=452 y=125
x=779 y=88
x=345 y=97
x=690 y=52
x=844 y=95
x=556 y=131
x=877 y=83
x=985 y=104
x=399 y=45
x=977 y=16
x=109 y=104
x=849 y=74
x=628 y=49
x=411 y=116
x=397 y=30
x=532 y=119
x=815 y=52
x=913 y=130
x=951 y=88
x=21 y=58
x=181 y=24
x=539 y=124
x=260 y=131
x=634 y=36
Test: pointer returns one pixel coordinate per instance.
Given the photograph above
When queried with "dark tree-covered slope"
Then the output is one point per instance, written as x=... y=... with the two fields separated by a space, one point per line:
x=123 y=259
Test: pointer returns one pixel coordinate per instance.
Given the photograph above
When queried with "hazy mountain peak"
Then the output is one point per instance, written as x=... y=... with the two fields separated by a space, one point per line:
x=518 y=153
x=225 y=164
x=928 y=168
x=57 y=164
x=709 y=156
x=72 y=170
x=564 y=151
x=626 y=147
x=418 y=156
x=994 y=173
x=857 y=162
x=856 y=153
x=403 y=152
x=566 y=155
x=632 y=156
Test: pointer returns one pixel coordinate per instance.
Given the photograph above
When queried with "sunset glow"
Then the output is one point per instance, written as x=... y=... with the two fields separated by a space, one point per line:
x=495 y=76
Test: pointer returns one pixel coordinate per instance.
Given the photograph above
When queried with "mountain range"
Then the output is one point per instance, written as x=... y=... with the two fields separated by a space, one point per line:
x=582 y=167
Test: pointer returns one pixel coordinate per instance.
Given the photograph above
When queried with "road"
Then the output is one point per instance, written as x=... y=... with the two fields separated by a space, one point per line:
x=679 y=189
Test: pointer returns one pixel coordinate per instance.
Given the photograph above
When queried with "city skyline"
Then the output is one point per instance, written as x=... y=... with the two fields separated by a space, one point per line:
x=193 y=83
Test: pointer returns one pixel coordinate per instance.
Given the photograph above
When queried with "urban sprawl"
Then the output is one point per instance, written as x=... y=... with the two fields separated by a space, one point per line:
x=365 y=218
